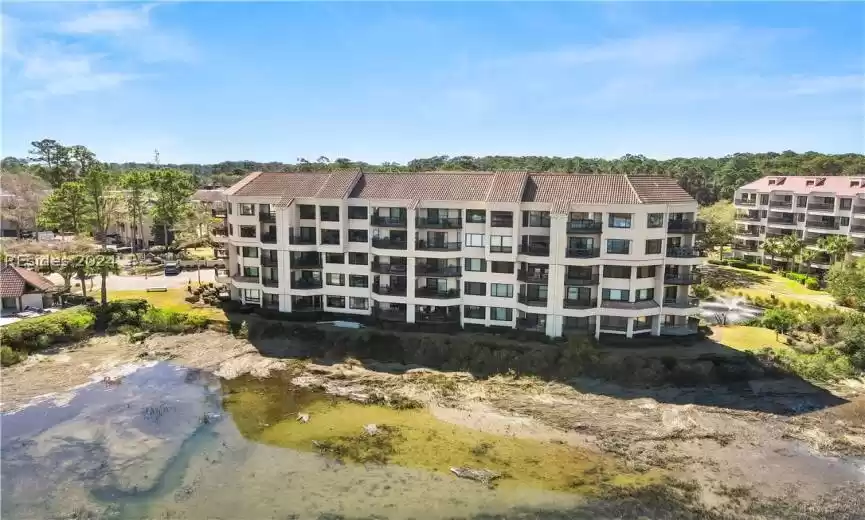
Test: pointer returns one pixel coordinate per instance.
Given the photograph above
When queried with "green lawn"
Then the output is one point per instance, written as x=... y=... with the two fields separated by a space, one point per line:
x=754 y=283
x=172 y=299
x=741 y=337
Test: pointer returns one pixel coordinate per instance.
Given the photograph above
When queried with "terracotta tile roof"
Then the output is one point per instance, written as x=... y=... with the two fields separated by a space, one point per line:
x=297 y=185
x=563 y=189
x=208 y=195
x=339 y=184
x=846 y=186
x=656 y=189
x=423 y=186
x=507 y=186
x=14 y=281
x=239 y=185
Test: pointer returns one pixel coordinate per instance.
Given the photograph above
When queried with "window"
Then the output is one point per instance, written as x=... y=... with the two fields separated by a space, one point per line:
x=361 y=304
x=764 y=199
x=617 y=271
x=251 y=295
x=845 y=221
x=357 y=212
x=474 y=240
x=620 y=220
x=335 y=279
x=616 y=295
x=250 y=252
x=501 y=219
x=764 y=213
x=358 y=258
x=251 y=272
x=358 y=235
x=801 y=202
x=247 y=231
x=358 y=280
x=617 y=246
x=645 y=295
x=306 y=211
x=247 y=209
x=655 y=220
x=846 y=203
x=330 y=236
x=478 y=265
x=474 y=312
x=501 y=244
x=230 y=229
x=271 y=300
x=502 y=267
x=536 y=218
x=334 y=258
x=476 y=216
x=501 y=314
x=229 y=207
x=502 y=290
x=329 y=213
x=800 y=217
x=653 y=247
x=476 y=288
x=578 y=293
x=646 y=271
x=336 y=301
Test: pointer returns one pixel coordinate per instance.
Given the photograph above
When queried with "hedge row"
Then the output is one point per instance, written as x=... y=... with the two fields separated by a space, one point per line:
x=808 y=281
x=741 y=264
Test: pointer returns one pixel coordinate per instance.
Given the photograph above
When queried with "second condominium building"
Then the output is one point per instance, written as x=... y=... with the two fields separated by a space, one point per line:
x=809 y=208
x=549 y=252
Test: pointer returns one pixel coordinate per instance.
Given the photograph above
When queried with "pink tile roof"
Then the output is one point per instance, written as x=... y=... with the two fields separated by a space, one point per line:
x=800 y=184
x=14 y=281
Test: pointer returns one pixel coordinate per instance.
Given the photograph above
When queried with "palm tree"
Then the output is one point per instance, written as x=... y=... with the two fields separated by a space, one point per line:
x=790 y=247
x=807 y=256
x=107 y=265
x=771 y=247
x=837 y=246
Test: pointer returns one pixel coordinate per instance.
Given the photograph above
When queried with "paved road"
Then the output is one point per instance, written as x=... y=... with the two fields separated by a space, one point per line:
x=125 y=283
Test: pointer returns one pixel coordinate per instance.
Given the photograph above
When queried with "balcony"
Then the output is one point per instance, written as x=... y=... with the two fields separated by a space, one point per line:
x=620 y=304
x=586 y=226
x=859 y=228
x=532 y=300
x=267 y=217
x=306 y=283
x=219 y=213
x=687 y=303
x=821 y=207
x=746 y=247
x=682 y=278
x=748 y=218
x=531 y=324
x=446 y=271
x=535 y=249
x=501 y=249
x=438 y=317
x=782 y=221
x=533 y=277
x=579 y=252
x=581 y=280
x=438 y=223
x=269 y=261
x=389 y=315
x=613 y=327
x=684 y=252
x=300 y=240
x=424 y=245
x=822 y=225
x=432 y=292
x=389 y=290
x=685 y=226
x=245 y=279
x=220 y=252
x=306 y=263
x=398 y=222
x=389 y=243
x=582 y=303
x=746 y=202
x=781 y=204
x=270 y=282
x=397 y=269
x=858 y=210
x=747 y=232
x=268 y=238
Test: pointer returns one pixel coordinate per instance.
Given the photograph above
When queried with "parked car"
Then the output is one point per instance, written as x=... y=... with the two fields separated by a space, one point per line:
x=172 y=267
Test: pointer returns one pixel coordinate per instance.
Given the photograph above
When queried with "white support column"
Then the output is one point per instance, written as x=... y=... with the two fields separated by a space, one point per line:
x=630 y=332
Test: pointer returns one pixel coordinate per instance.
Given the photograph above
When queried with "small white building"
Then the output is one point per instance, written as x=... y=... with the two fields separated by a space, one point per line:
x=21 y=288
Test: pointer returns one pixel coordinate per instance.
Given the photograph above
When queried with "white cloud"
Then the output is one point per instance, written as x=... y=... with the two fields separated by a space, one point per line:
x=108 y=21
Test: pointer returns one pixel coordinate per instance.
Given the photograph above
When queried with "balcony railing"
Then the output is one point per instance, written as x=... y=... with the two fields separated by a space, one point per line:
x=581 y=303
x=378 y=221
x=615 y=327
x=438 y=223
x=389 y=243
x=389 y=290
x=501 y=222
x=269 y=261
x=306 y=263
x=438 y=317
x=501 y=249
x=398 y=269
x=306 y=283
x=857 y=228
x=579 y=252
x=388 y=315
x=682 y=278
x=245 y=279
x=748 y=218
x=432 y=292
x=780 y=204
x=532 y=300
x=535 y=249
x=584 y=226
x=821 y=207
x=300 y=240
x=267 y=217
x=219 y=213
x=686 y=226
x=425 y=245
x=822 y=225
x=746 y=202
x=270 y=282
x=681 y=304
x=531 y=324
x=858 y=210
x=581 y=280
x=268 y=238
x=533 y=277
x=748 y=232
x=746 y=247
x=684 y=252
x=620 y=304
x=446 y=271
x=782 y=221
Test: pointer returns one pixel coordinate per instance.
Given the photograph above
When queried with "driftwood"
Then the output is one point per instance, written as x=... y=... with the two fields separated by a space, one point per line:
x=303 y=417
x=484 y=476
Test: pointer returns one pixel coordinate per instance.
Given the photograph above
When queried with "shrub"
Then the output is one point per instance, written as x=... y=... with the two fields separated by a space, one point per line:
x=755 y=267
x=701 y=291
x=765 y=268
x=797 y=277
x=812 y=283
x=118 y=313
x=717 y=262
x=9 y=357
x=164 y=320
x=734 y=262
x=38 y=333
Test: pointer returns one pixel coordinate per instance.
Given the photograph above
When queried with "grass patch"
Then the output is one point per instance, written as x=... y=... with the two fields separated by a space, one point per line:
x=172 y=299
x=755 y=284
x=750 y=339
x=200 y=253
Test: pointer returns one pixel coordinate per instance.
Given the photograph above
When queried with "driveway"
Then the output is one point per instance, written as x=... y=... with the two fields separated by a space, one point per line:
x=127 y=283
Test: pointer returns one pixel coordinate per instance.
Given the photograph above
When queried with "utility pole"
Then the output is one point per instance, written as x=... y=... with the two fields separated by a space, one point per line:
x=156 y=157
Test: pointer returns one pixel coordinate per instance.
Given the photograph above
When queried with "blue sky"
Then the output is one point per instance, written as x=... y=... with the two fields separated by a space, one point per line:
x=206 y=82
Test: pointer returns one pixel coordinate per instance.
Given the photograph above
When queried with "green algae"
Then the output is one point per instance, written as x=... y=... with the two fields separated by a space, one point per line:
x=265 y=410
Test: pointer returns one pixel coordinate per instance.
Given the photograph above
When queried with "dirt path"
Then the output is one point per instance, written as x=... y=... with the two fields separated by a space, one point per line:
x=731 y=451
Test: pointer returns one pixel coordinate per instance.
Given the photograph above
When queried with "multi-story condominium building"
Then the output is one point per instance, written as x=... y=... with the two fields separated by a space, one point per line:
x=807 y=207
x=549 y=252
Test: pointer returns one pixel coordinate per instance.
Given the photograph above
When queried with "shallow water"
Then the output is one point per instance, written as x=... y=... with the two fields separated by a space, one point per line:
x=172 y=442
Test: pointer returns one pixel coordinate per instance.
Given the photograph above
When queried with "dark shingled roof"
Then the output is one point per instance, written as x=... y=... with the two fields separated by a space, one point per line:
x=14 y=281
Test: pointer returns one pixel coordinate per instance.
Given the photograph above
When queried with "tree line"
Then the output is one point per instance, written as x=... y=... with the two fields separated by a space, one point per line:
x=707 y=179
